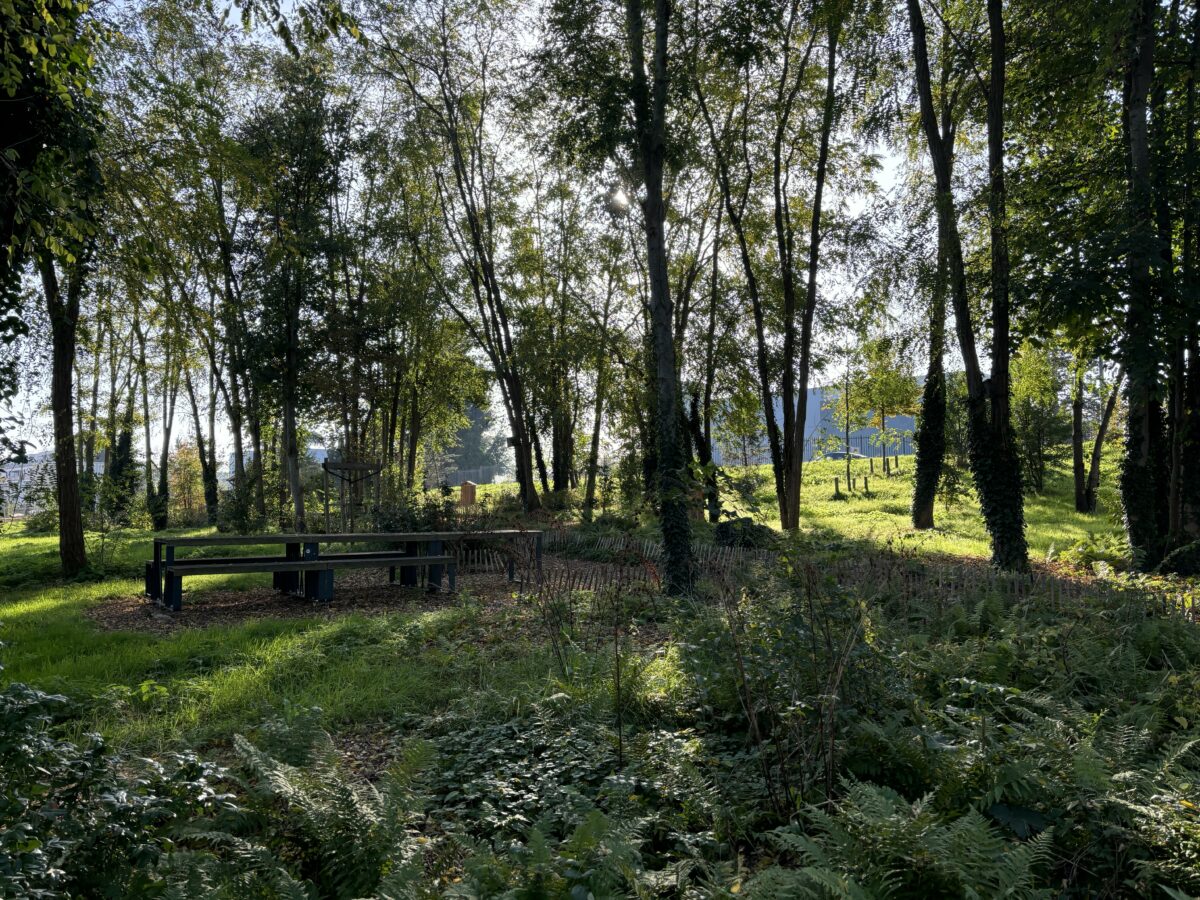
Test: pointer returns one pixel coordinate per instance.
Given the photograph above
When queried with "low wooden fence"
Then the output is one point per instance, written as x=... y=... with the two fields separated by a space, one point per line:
x=625 y=560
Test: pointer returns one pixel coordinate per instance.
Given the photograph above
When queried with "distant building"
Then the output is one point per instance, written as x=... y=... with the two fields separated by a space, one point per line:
x=819 y=424
x=316 y=456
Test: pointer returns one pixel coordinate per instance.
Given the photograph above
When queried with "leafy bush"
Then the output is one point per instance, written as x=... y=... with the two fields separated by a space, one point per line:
x=79 y=821
x=1104 y=549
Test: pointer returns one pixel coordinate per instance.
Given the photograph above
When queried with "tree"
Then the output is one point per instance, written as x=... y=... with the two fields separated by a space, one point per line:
x=850 y=406
x=994 y=464
x=616 y=72
x=885 y=385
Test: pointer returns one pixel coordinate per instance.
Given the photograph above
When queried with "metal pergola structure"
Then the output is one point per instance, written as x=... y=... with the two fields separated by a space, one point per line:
x=354 y=479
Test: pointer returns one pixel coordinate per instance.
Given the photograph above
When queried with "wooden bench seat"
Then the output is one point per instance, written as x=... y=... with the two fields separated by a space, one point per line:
x=350 y=556
x=317 y=571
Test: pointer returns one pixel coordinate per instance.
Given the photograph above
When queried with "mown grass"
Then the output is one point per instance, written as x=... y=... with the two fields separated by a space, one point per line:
x=883 y=515
x=201 y=686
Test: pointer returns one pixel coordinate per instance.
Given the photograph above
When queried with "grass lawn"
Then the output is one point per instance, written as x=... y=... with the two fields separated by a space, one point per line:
x=884 y=515
x=200 y=686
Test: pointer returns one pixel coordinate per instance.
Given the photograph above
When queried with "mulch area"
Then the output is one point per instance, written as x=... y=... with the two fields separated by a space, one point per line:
x=367 y=592
x=363 y=592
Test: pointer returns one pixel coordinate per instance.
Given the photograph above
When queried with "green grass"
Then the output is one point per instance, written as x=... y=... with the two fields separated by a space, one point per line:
x=883 y=516
x=200 y=686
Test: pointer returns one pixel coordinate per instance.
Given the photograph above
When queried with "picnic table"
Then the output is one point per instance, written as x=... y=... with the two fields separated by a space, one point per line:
x=303 y=568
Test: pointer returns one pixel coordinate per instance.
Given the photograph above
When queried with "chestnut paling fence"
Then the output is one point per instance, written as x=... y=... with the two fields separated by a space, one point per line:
x=598 y=561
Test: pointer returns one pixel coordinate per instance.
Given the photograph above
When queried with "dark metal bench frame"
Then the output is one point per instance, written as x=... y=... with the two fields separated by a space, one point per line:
x=303 y=569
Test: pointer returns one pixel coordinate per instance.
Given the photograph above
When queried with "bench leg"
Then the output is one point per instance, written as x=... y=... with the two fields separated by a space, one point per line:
x=451 y=576
x=434 y=582
x=391 y=574
x=173 y=593
x=318 y=584
x=409 y=574
x=153 y=582
x=288 y=582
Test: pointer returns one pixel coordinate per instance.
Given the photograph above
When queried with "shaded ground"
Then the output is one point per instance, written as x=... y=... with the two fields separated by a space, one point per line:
x=362 y=592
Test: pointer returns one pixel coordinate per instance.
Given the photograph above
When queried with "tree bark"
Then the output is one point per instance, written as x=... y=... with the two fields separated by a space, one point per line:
x=1077 y=468
x=797 y=408
x=1139 y=479
x=931 y=429
x=995 y=468
x=650 y=104
x=1093 y=478
x=589 y=492
x=207 y=454
x=63 y=313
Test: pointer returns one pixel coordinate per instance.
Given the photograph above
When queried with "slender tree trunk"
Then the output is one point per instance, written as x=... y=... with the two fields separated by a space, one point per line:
x=170 y=393
x=148 y=463
x=589 y=492
x=712 y=489
x=794 y=442
x=414 y=441
x=63 y=313
x=207 y=454
x=291 y=438
x=650 y=118
x=1077 y=466
x=539 y=458
x=1093 y=479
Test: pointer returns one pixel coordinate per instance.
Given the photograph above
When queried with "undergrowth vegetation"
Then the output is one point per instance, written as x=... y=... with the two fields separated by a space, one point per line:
x=782 y=734
x=787 y=739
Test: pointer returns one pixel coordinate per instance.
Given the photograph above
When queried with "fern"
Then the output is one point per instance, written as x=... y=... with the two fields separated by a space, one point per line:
x=874 y=843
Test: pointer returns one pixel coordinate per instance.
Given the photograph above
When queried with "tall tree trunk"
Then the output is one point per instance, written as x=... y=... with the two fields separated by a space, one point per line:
x=650 y=108
x=291 y=438
x=63 y=313
x=931 y=428
x=148 y=462
x=414 y=441
x=170 y=393
x=793 y=450
x=1093 y=479
x=539 y=458
x=1003 y=501
x=1189 y=515
x=995 y=468
x=593 y=465
x=207 y=454
x=711 y=486
x=1077 y=467
x=1139 y=479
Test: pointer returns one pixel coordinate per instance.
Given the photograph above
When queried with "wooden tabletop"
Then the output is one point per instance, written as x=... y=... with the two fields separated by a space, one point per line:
x=353 y=537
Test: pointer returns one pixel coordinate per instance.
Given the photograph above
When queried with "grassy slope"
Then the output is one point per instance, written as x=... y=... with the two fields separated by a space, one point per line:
x=884 y=516
x=202 y=685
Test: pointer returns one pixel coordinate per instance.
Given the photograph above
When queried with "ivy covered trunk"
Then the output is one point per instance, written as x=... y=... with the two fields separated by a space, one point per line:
x=930 y=436
x=995 y=466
